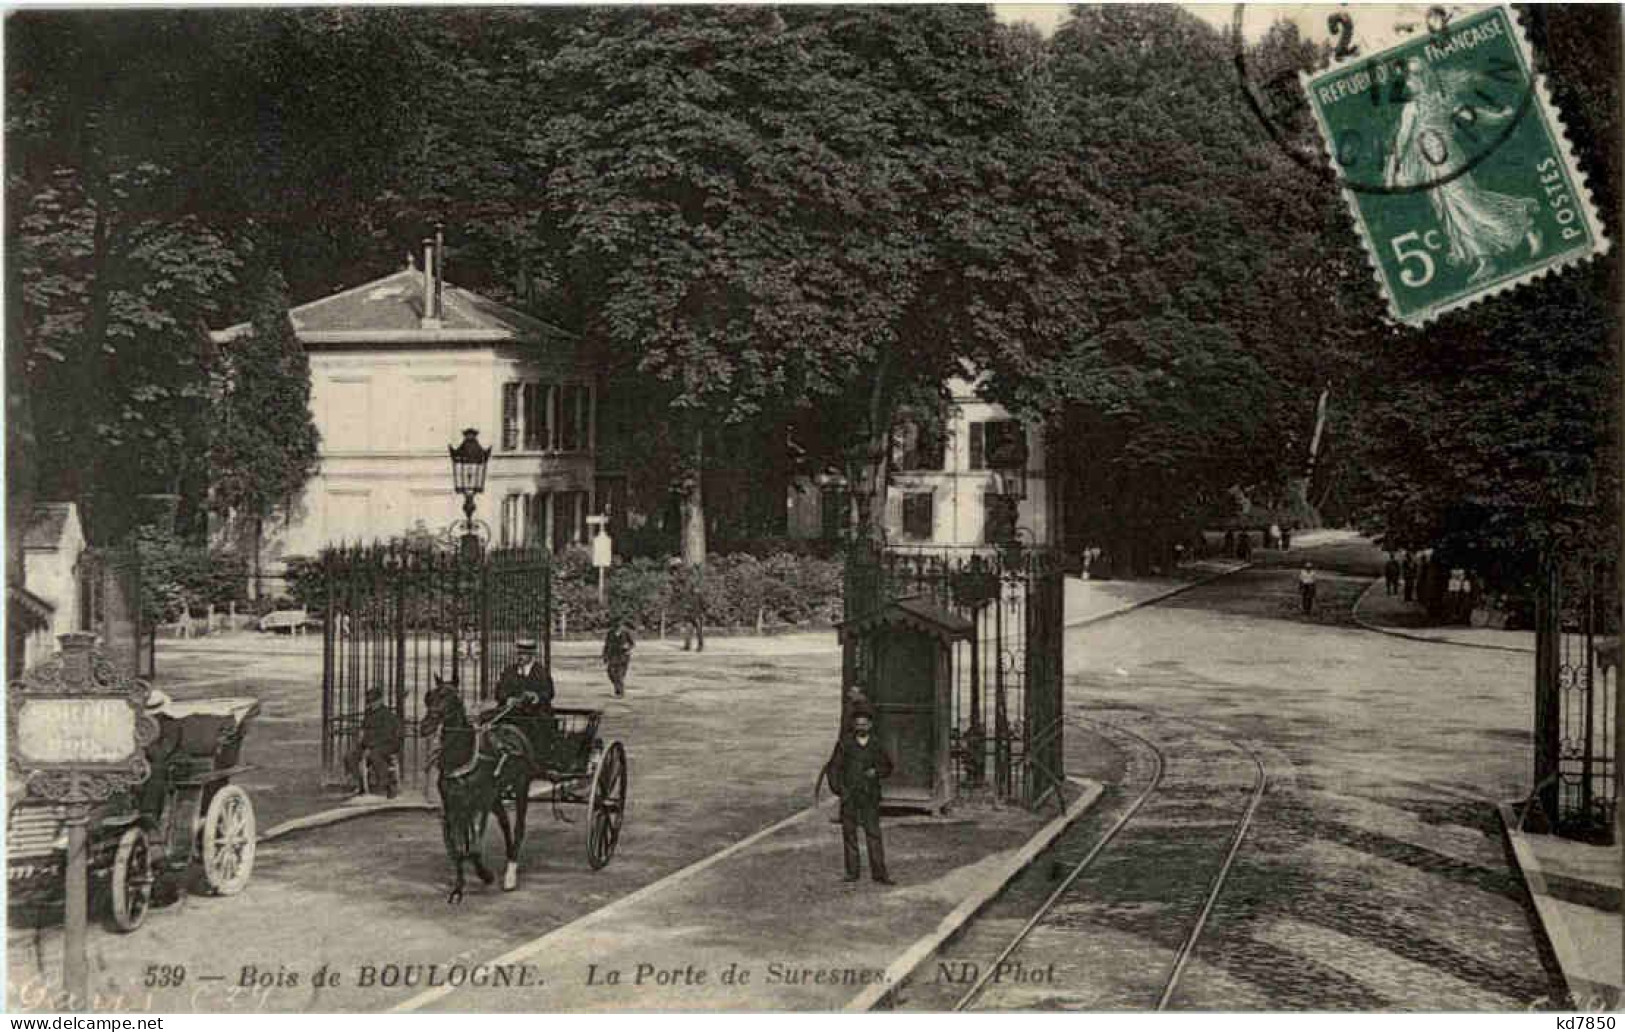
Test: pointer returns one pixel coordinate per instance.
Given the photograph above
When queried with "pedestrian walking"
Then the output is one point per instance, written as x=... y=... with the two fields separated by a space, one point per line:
x=1286 y=539
x=854 y=772
x=1407 y=576
x=1306 y=588
x=688 y=598
x=1229 y=542
x=1390 y=574
x=1458 y=597
x=1275 y=535
x=618 y=645
x=1244 y=546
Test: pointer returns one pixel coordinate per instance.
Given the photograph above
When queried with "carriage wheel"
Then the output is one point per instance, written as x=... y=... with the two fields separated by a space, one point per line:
x=228 y=841
x=606 y=806
x=131 y=879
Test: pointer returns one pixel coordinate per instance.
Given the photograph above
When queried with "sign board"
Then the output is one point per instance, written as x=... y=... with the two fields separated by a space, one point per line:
x=77 y=727
x=602 y=550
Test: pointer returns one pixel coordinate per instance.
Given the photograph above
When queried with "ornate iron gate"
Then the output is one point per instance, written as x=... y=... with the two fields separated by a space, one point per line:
x=395 y=615
x=1577 y=692
x=1007 y=716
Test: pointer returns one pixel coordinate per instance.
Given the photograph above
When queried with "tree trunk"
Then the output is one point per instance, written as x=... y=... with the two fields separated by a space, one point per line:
x=693 y=508
x=254 y=590
x=877 y=464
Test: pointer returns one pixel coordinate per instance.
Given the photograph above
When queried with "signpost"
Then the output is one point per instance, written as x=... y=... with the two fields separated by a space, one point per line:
x=602 y=554
x=76 y=727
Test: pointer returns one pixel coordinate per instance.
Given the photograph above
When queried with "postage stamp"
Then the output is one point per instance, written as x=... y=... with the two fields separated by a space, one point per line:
x=1455 y=165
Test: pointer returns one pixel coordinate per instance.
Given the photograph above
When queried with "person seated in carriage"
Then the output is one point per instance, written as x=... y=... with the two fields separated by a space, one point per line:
x=150 y=796
x=525 y=699
x=377 y=750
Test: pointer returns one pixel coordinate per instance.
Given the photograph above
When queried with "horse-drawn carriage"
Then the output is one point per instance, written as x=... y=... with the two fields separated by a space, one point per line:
x=488 y=763
x=203 y=818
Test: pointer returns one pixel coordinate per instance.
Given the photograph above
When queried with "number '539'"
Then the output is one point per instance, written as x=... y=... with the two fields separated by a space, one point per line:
x=1415 y=264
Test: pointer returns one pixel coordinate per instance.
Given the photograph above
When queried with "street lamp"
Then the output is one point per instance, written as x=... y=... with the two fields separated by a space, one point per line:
x=468 y=462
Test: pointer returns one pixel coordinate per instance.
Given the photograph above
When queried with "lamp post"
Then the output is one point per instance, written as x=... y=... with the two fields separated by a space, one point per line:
x=468 y=462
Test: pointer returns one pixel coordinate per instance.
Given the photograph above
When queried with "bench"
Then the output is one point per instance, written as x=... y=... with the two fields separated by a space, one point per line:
x=293 y=620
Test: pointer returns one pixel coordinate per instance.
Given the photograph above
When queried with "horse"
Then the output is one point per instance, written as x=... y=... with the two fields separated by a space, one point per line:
x=480 y=763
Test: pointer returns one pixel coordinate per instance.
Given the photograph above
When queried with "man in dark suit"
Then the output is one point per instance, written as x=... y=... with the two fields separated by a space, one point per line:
x=526 y=689
x=854 y=772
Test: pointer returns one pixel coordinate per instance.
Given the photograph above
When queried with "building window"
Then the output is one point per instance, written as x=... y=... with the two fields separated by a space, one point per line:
x=998 y=444
x=918 y=512
x=540 y=417
x=535 y=398
x=998 y=518
x=920 y=449
x=510 y=416
x=834 y=503
x=573 y=415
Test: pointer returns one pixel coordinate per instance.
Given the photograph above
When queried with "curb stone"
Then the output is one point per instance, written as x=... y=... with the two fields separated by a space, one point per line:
x=1141 y=603
x=1395 y=633
x=340 y=814
x=923 y=948
x=1562 y=943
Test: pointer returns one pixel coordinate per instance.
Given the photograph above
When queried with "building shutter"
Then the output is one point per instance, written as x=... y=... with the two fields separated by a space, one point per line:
x=978 y=445
x=510 y=416
x=535 y=419
x=918 y=515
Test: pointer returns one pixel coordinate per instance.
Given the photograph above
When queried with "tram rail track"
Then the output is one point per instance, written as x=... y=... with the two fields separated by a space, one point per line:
x=991 y=974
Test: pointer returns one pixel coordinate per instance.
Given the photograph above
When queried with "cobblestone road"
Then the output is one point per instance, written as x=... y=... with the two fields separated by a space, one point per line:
x=1374 y=877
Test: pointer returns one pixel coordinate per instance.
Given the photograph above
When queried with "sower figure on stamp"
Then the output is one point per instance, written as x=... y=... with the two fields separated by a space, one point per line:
x=854 y=772
x=618 y=645
x=371 y=761
x=525 y=698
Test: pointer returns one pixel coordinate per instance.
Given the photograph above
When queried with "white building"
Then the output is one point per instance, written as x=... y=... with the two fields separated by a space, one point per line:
x=987 y=478
x=395 y=378
x=48 y=604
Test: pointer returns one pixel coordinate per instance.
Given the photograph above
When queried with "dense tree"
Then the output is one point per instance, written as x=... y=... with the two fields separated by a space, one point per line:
x=1492 y=434
x=263 y=442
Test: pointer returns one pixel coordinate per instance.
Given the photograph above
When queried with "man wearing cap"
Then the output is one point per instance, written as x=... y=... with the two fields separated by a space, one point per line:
x=526 y=688
x=854 y=772
x=158 y=752
x=378 y=746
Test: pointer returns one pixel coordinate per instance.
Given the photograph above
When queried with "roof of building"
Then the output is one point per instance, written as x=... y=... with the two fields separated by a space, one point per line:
x=35 y=611
x=390 y=311
x=46 y=524
x=915 y=613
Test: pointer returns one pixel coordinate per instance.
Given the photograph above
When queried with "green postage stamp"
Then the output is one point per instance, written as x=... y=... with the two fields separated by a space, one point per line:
x=1455 y=165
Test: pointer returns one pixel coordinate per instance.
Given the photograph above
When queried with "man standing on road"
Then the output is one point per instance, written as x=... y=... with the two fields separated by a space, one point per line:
x=1306 y=588
x=1390 y=574
x=854 y=772
x=617 y=656
x=1407 y=575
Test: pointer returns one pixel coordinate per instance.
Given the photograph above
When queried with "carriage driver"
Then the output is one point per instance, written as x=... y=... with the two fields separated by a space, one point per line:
x=525 y=690
x=158 y=751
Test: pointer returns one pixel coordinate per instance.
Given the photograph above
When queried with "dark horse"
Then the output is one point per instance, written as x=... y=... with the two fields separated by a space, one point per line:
x=480 y=764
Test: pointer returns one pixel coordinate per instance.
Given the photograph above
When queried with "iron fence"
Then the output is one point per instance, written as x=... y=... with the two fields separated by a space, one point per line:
x=1007 y=704
x=396 y=615
x=1577 y=692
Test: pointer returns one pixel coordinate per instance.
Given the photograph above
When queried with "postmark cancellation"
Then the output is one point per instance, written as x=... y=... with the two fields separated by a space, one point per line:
x=1455 y=165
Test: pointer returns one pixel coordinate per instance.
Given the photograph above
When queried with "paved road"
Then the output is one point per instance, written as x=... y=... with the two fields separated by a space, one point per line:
x=1375 y=876
x=1375 y=879
x=718 y=747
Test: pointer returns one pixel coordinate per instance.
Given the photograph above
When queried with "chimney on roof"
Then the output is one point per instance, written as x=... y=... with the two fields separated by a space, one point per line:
x=431 y=312
x=439 y=271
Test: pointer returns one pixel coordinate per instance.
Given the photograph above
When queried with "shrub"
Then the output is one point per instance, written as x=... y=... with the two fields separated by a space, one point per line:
x=177 y=577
